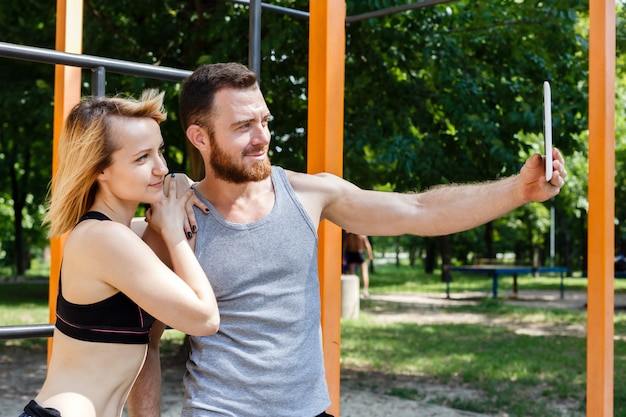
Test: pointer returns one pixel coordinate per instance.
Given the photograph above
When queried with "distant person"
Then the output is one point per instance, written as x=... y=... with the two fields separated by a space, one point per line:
x=259 y=247
x=112 y=286
x=620 y=263
x=355 y=248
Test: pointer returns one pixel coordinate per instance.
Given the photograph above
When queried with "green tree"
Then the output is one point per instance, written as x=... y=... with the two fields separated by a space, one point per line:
x=25 y=134
x=450 y=93
x=620 y=132
x=185 y=34
x=442 y=94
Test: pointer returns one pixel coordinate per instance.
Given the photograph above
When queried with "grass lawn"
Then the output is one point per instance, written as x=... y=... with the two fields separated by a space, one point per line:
x=391 y=279
x=518 y=374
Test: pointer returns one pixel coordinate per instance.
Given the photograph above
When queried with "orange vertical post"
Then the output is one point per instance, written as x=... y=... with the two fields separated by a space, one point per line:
x=69 y=38
x=600 y=290
x=325 y=153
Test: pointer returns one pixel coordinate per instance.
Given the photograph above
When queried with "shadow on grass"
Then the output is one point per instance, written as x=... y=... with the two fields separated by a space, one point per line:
x=511 y=371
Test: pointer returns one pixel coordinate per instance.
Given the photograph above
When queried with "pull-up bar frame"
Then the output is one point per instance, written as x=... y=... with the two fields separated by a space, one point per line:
x=327 y=27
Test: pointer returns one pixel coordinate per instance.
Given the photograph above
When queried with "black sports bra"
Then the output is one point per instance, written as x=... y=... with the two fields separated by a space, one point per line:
x=116 y=319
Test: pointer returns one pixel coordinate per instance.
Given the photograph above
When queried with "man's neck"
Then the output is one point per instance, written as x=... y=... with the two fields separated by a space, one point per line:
x=239 y=203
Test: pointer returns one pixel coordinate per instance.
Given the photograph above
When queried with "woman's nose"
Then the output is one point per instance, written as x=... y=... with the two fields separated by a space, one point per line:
x=161 y=166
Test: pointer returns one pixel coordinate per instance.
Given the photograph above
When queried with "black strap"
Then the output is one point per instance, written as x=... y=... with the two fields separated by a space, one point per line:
x=35 y=410
x=93 y=215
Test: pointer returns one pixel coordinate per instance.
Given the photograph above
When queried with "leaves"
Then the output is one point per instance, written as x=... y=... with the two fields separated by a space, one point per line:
x=439 y=94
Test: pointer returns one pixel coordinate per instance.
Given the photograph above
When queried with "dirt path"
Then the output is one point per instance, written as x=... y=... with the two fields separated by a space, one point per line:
x=22 y=372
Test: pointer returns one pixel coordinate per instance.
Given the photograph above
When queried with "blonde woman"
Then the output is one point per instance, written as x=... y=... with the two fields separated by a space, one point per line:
x=112 y=286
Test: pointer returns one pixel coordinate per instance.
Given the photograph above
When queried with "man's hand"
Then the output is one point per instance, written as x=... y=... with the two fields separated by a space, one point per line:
x=533 y=178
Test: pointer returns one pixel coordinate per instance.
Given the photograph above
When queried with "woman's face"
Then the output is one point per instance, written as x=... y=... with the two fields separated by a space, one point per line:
x=138 y=167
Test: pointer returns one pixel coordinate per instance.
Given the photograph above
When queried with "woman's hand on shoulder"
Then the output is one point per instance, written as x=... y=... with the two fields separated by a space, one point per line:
x=183 y=184
x=169 y=217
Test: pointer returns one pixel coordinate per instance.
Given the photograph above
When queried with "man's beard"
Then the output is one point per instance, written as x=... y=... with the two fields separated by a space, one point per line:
x=231 y=169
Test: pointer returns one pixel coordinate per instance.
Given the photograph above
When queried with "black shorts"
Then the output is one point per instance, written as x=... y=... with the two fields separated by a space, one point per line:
x=355 y=257
x=35 y=410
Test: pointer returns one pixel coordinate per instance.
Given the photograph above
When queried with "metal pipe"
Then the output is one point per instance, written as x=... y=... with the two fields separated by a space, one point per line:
x=254 y=43
x=284 y=10
x=49 y=56
x=349 y=19
x=98 y=81
x=26 y=331
x=396 y=9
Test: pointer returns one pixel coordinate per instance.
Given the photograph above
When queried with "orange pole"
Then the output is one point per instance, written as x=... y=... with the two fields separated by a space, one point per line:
x=325 y=154
x=69 y=38
x=600 y=291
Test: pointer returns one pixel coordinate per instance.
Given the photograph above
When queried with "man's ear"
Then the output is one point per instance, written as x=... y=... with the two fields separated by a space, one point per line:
x=198 y=136
x=197 y=148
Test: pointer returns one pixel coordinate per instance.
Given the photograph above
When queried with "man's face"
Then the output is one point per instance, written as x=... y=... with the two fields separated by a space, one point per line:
x=241 y=140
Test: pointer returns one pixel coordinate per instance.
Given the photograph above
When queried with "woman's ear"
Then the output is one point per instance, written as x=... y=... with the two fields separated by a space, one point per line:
x=103 y=175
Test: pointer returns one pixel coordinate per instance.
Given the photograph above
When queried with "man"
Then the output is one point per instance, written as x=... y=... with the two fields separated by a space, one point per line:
x=258 y=247
x=354 y=247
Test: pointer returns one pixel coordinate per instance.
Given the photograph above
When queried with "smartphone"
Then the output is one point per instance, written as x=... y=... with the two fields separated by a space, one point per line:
x=547 y=129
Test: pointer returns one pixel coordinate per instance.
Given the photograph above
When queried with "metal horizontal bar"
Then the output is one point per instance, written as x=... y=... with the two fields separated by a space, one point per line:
x=284 y=10
x=349 y=19
x=50 y=56
x=396 y=9
x=31 y=331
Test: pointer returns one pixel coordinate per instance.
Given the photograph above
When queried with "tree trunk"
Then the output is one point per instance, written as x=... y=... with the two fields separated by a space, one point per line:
x=19 y=247
x=398 y=252
x=489 y=240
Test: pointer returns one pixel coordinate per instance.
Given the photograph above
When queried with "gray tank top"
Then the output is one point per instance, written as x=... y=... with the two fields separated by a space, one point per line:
x=267 y=357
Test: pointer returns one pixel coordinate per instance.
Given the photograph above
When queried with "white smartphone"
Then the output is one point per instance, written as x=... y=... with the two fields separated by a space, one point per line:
x=547 y=129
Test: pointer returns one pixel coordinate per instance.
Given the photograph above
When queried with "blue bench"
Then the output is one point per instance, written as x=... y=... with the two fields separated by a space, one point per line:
x=495 y=271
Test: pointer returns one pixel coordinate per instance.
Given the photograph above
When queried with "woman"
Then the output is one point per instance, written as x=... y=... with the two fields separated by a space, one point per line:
x=112 y=286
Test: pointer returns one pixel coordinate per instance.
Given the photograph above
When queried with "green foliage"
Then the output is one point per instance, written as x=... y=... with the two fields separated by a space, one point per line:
x=453 y=93
x=187 y=34
x=25 y=132
x=620 y=136
x=451 y=87
x=440 y=94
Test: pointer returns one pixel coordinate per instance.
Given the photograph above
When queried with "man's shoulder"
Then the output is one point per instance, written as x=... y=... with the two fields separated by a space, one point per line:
x=296 y=177
x=324 y=184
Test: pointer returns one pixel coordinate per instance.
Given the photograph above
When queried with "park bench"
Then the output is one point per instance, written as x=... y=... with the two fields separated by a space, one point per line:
x=494 y=268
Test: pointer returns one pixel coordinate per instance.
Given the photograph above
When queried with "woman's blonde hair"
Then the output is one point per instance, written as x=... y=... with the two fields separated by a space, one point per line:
x=85 y=148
